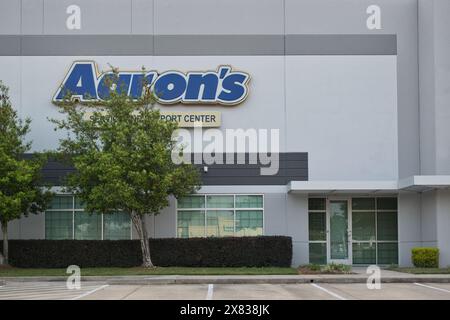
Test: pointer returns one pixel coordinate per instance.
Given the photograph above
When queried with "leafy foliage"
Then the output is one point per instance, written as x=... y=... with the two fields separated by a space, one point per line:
x=122 y=153
x=21 y=190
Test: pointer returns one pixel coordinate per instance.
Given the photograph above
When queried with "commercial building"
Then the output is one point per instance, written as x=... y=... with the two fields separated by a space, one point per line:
x=356 y=93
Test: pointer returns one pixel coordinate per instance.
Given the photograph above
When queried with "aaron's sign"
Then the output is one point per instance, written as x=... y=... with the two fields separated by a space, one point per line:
x=224 y=86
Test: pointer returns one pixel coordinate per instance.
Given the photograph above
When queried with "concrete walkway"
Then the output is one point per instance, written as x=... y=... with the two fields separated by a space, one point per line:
x=359 y=276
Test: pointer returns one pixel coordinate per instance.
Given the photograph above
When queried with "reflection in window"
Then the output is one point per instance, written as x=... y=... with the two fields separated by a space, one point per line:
x=220 y=216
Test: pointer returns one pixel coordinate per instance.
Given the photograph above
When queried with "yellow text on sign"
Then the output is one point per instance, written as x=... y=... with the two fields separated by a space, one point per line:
x=192 y=119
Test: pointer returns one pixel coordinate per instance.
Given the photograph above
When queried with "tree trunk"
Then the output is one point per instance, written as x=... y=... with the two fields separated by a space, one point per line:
x=141 y=228
x=4 y=257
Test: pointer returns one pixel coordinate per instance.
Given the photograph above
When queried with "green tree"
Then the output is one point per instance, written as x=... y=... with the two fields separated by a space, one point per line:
x=122 y=153
x=21 y=191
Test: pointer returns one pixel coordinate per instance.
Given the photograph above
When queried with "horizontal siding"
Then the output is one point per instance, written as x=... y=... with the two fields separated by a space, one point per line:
x=292 y=166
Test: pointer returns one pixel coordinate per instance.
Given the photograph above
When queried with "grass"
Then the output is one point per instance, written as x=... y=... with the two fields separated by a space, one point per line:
x=22 y=272
x=423 y=270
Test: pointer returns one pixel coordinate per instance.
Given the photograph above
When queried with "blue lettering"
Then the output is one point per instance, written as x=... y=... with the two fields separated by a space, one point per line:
x=80 y=83
x=137 y=84
x=170 y=87
x=224 y=86
x=121 y=82
x=196 y=82
x=234 y=89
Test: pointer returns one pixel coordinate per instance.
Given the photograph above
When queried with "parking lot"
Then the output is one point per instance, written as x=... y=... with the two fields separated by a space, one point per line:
x=321 y=291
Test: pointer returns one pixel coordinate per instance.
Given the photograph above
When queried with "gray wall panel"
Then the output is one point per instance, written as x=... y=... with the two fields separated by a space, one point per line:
x=87 y=45
x=219 y=17
x=341 y=44
x=32 y=16
x=142 y=16
x=221 y=45
x=10 y=16
x=10 y=45
x=97 y=17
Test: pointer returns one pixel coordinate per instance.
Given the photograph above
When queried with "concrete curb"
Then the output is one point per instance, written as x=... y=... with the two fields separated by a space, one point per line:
x=164 y=280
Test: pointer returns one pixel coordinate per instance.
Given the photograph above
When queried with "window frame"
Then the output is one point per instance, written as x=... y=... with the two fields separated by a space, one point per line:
x=74 y=210
x=234 y=209
x=375 y=210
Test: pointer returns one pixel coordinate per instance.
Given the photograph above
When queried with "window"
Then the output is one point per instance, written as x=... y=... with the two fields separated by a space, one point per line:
x=374 y=230
x=374 y=224
x=66 y=219
x=116 y=226
x=220 y=216
x=317 y=216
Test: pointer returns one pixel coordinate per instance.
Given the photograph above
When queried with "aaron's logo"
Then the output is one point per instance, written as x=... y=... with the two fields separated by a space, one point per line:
x=225 y=86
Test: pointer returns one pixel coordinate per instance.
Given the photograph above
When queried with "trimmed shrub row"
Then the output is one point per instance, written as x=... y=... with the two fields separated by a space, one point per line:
x=261 y=251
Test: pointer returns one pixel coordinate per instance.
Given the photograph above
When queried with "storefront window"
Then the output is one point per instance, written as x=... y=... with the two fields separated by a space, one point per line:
x=191 y=224
x=88 y=226
x=317 y=217
x=220 y=216
x=66 y=219
x=374 y=232
x=116 y=226
x=249 y=223
x=220 y=223
x=58 y=225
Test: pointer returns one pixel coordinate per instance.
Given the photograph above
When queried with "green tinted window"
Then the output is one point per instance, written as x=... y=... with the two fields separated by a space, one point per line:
x=116 y=226
x=363 y=204
x=363 y=226
x=387 y=226
x=387 y=204
x=388 y=253
x=61 y=202
x=191 y=202
x=318 y=253
x=316 y=204
x=219 y=223
x=220 y=201
x=58 y=225
x=364 y=253
x=251 y=201
x=249 y=223
x=78 y=203
x=317 y=226
x=191 y=224
x=88 y=226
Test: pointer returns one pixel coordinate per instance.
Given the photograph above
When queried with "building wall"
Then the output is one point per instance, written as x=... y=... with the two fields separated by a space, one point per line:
x=351 y=103
x=409 y=226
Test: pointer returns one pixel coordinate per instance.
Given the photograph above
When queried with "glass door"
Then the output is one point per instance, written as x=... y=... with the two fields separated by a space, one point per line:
x=339 y=232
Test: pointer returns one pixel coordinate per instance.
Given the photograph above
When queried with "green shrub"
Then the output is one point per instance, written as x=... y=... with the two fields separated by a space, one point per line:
x=425 y=257
x=312 y=267
x=337 y=268
x=261 y=251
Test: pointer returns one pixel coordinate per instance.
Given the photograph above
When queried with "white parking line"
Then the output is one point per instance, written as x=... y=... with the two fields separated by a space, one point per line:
x=89 y=292
x=431 y=287
x=328 y=291
x=209 y=295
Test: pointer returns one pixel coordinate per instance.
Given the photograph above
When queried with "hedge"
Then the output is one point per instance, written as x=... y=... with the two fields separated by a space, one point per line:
x=425 y=257
x=261 y=251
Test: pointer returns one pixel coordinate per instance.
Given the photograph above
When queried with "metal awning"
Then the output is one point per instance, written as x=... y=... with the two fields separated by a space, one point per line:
x=413 y=183
x=424 y=183
x=342 y=186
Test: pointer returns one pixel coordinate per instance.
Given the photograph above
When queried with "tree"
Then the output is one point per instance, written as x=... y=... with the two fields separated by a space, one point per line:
x=21 y=191
x=122 y=153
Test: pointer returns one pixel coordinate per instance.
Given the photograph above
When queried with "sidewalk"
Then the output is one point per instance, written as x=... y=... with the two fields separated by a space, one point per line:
x=359 y=276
